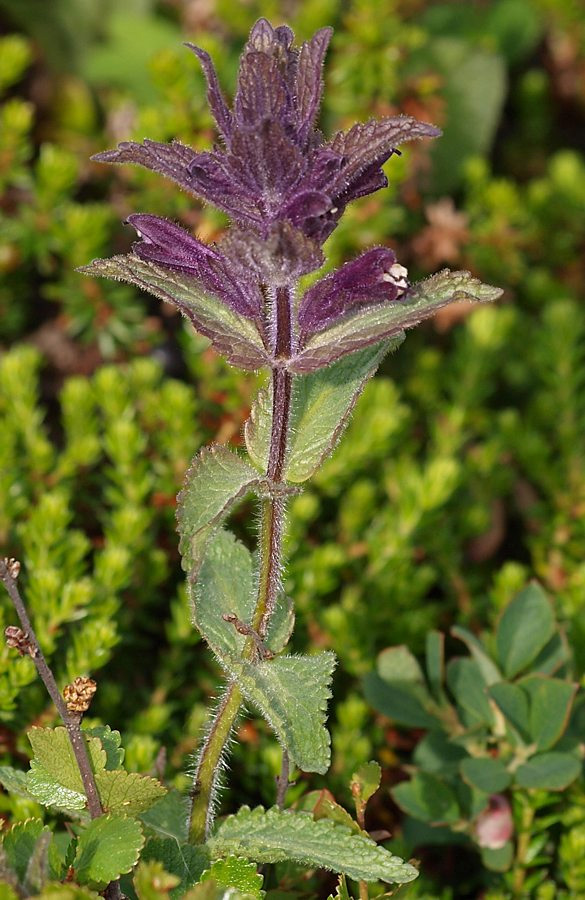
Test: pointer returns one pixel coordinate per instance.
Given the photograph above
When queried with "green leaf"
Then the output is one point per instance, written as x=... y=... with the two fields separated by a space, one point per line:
x=435 y=753
x=275 y=836
x=107 y=848
x=342 y=892
x=486 y=665
x=19 y=844
x=486 y=774
x=235 y=872
x=551 y=701
x=38 y=868
x=128 y=793
x=498 y=860
x=290 y=691
x=258 y=427
x=323 y=805
x=54 y=777
x=435 y=662
x=513 y=703
x=216 y=480
x=67 y=892
x=183 y=860
x=401 y=701
x=15 y=782
x=427 y=798
x=366 y=781
x=526 y=626
x=387 y=320
x=467 y=685
x=233 y=335
x=152 y=882
x=6 y=892
x=398 y=664
x=321 y=406
x=111 y=742
x=168 y=817
x=548 y=771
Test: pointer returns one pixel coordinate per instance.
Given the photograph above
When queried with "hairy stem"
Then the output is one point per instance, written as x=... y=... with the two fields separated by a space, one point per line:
x=270 y=552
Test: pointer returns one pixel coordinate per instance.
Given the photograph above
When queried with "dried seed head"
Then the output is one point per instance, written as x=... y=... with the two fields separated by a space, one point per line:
x=79 y=694
x=19 y=640
x=12 y=567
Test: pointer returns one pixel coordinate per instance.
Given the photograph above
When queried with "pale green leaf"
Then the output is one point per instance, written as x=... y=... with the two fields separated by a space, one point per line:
x=14 y=781
x=38 y=868
x=366 y=781
x=111 y=742
x=233 y=335
x=321 y=406
x=107 y=848
x=216 y=479
x=258 y=427
x=387 y=320
x=398 y=664
x=168 y=817
x=128 y=793
x=233 y=871
x=58 y=891
x=526 y=626
x=274 y=836
x=54 y=778
x=292 y=692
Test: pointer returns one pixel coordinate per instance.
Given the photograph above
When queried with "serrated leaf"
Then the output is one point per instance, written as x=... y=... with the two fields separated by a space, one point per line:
x=320 y=409
x=391 y=319
x=526 y=626
x=274 y=836
x=342 y=892
x=231 y=334
x=323 y=805
x=107 y=848
x=215 y=481
x=427 y=798
x=19 y=845
x=486 y=774
x=233 y=871
x=14 y=781
x=548 y=771
x=185 y=861
x=111 y=742
x=292 y=692
x=54 y=778
x=128 y=793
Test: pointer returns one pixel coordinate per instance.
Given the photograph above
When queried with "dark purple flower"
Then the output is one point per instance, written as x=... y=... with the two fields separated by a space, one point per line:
x=167 y=245
x=274 y=165
x=373 y=278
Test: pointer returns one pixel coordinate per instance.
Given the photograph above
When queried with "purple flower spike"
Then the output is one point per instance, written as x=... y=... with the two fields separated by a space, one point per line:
x=373 y=278
x=167 y=245
x=275 y=166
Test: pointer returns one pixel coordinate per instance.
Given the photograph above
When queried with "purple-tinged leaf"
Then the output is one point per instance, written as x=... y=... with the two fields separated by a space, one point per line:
x=262 y=92
x=270 y=160
x=386 y=320
x=374 y=277
x=309 y=81
x=167 y=245
x=231 y=334
x=285 y=254
x=373 y=142
x=215 y=98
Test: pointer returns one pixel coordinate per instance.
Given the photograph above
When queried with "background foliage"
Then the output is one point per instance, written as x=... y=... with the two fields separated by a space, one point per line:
x=462 y=473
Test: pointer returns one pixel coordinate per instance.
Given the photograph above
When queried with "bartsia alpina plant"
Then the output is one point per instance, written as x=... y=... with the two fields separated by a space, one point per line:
x=285 y=187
